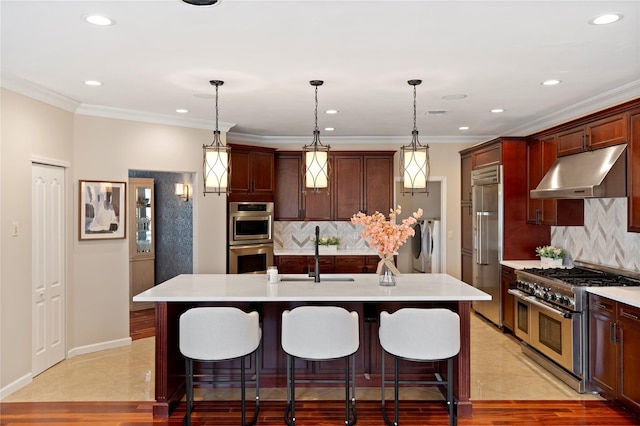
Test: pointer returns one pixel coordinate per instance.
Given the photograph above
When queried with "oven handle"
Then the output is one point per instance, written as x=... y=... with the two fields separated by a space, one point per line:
x=534 y=301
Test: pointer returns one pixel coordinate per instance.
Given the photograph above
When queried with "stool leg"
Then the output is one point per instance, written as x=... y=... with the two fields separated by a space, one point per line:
x=189 y=384
x=242 y=390
x=396 y=385
x=453 y=415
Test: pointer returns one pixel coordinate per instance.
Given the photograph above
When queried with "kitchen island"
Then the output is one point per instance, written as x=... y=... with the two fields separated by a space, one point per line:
x=252 y=292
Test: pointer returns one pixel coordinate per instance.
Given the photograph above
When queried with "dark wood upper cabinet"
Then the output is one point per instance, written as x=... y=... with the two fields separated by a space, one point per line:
x=288 y=186
x=633 y=171
x=596 y=134
x=252 y=173
x=348 y=175
x=359 y=181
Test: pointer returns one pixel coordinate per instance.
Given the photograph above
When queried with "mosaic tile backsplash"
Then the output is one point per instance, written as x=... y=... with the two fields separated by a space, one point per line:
x=300 y=235
x=604 y=238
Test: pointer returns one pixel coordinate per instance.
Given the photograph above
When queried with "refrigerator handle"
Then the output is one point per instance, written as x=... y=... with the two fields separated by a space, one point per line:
x=481 y=243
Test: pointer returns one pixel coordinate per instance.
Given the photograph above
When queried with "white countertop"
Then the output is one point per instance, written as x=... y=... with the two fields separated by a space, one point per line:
x=311 y=252
x=254 y=288
x=522 y=264
x=627 y=295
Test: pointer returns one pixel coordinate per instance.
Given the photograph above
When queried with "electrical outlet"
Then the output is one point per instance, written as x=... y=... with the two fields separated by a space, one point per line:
x=14 y=229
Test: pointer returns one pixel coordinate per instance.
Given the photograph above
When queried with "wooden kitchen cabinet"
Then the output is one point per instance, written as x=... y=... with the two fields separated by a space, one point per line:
x=288 y=186
x=633 y=172
x=291 y=264
x=508 y=280
x=541 y=154
x=614 y=348
x=359 y=181
x=252 y=173
x=596 y=134
x=328 y=264
x=349 y=264
x=466 y=217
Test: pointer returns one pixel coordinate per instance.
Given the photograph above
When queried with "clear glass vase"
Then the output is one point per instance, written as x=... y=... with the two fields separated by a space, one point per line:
x=387 y=278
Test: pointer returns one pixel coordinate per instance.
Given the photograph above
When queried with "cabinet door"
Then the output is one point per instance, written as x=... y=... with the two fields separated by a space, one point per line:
x=466 y=214
x=487 y=156
x=465 y=178
x=549 y=154
x=349 y=264
x=571 y=141
x=371 y=264
x=602 y=347
x=262 y=172
x=326 y=264
x=534 y=176
x=607 y=131
x=467 y=267
x=288 y=187
x=378 y=184
x=629 y=350
x=508 y=281
x=348 y=196
x=240 y=171
x=633 y=171
x=292 y=264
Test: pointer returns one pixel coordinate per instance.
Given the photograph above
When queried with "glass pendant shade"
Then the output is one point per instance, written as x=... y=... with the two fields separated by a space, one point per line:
x=216 y=169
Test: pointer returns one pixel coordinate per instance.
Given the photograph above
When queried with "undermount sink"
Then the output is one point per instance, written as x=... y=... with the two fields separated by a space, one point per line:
x=322 y=279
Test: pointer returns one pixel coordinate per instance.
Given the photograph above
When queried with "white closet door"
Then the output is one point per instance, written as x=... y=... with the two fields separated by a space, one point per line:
x=48 y=271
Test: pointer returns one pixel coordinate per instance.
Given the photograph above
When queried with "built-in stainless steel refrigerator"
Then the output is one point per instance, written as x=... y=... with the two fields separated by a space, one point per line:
x=487 y=239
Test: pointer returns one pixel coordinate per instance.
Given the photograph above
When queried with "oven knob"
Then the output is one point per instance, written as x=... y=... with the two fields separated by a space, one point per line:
x=552 y=296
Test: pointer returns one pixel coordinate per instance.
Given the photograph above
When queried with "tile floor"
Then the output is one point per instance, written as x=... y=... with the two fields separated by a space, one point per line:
x=499 y=371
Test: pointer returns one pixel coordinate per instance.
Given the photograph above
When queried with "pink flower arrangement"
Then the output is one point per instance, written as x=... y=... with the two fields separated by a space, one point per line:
x=385 y=236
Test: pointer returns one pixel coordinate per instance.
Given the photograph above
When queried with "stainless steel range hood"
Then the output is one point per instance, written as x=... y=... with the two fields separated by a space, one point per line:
x=601 y=173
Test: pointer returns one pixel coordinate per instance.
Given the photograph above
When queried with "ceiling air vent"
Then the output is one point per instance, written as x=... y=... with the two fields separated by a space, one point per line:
x=436 y=112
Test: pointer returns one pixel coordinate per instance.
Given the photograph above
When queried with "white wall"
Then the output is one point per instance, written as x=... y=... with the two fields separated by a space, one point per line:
x=97 y=271
x=29 y=128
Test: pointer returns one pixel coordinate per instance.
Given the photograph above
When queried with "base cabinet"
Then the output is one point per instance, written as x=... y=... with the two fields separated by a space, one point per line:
x=508 y=281
x=614 y=348
x=328 y=264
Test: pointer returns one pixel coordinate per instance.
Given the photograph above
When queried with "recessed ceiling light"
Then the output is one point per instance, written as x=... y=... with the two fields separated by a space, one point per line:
x=454 y=97
x=463 y=128
x=497 y=110
x=607 y=18
x=552 y=82
x=100 y=20
x=182 y=111
x=329 y=129
x=331 y=111
x=93 y=83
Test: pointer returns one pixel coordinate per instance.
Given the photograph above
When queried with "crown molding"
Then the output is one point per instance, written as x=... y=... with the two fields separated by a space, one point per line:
x=37 y=92
x=146 y=117
x=599 y=102
x=354 y=140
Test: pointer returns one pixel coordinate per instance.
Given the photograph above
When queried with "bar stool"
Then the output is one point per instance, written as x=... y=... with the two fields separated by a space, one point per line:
x=423 y=335
x=213 y=334
x=320 y=333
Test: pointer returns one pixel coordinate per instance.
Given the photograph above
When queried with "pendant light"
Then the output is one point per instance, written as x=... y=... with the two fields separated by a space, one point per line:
x=216 y=159
x=316 y=169
x=414 y=158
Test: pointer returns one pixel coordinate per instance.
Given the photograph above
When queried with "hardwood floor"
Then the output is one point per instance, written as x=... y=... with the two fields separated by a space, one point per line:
x=142 y=323
x=309 y=412
x=318 y=413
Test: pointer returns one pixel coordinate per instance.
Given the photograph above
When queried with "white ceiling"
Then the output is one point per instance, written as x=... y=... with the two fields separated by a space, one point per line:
x=160 y=55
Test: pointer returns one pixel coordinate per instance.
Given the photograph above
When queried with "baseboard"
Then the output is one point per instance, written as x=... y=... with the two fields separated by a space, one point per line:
x=16 y=385
x=81 y=350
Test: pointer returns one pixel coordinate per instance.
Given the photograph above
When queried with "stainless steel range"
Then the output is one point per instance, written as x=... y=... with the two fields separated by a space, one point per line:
x=551 y=315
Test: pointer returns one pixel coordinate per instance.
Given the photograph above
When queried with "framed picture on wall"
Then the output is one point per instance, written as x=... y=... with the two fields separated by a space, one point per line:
x=102 y=210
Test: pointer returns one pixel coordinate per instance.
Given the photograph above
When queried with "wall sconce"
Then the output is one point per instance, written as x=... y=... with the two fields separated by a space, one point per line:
x=182 y=191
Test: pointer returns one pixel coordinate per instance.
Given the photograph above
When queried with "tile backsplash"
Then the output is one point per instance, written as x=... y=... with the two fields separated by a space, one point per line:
x=604 y=238
x=300 y=235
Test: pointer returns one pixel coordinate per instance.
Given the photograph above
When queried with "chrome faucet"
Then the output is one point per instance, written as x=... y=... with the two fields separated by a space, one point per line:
x=316 y=273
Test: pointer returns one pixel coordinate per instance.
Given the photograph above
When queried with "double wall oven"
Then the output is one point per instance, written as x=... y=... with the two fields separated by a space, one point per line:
x=250 y=236
x=551 y=316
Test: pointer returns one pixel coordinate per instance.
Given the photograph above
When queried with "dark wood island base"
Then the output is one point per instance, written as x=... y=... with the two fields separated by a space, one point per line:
x=169 y=363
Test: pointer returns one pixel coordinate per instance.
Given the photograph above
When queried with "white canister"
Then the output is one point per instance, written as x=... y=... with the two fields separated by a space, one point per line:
x=272 y=274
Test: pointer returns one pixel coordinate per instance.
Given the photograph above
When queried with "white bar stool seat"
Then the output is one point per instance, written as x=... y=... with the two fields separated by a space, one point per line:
x=423 y=335
x=213 y=334
x=320 y=333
